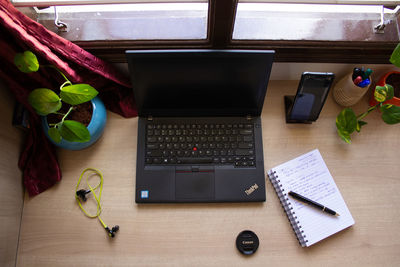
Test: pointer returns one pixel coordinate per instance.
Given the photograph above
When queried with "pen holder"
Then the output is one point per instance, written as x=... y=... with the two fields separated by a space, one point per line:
x=346 y=93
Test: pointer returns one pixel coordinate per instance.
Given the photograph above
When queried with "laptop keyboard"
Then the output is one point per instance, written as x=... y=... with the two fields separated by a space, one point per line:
x=215 y=144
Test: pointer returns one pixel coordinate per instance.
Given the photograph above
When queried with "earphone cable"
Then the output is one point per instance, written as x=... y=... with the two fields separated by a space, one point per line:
x=92 y=190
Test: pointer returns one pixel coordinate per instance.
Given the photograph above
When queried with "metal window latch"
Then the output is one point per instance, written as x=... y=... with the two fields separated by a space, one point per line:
x=61 y=26
x=380 y=28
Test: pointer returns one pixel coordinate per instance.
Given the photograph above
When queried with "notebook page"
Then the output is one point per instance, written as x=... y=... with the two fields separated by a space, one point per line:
x=309 y=176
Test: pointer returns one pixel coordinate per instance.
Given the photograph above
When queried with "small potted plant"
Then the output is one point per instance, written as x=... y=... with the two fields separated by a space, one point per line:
x=57 y=109
x=392 y=78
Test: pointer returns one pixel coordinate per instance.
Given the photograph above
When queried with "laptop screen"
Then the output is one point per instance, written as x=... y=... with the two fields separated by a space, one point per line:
x=199 y=82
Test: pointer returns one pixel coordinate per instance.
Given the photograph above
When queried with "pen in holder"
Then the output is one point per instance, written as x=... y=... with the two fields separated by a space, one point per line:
x=346 y=93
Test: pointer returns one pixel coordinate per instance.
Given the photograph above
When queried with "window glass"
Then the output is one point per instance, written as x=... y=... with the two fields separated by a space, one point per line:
x=152 y=21
x=323 y=22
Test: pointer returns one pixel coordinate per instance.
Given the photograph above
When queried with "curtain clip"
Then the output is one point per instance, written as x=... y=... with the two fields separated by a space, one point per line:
x=380 y=28
x=61 y=26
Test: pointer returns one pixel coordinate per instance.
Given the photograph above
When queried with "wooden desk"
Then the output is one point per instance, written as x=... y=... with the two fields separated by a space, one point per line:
x=54 y=232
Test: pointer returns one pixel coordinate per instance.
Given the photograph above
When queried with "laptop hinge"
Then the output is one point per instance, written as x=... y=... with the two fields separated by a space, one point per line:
x=150 y=118
x=248 y=117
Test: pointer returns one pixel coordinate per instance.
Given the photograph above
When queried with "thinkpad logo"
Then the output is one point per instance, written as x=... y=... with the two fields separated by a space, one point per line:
x=252 y=188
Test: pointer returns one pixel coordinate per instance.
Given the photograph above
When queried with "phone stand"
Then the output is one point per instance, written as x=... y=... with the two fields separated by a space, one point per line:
x=288 y=99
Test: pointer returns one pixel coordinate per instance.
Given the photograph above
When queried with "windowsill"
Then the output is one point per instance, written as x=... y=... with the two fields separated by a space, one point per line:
x=286 y=51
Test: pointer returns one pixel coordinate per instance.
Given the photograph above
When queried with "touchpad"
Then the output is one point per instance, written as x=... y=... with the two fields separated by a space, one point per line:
x=193 y=183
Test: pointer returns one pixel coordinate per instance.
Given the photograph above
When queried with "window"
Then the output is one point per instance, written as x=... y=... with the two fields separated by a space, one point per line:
x=299 y=32
x=161 y=21
x=313 y=22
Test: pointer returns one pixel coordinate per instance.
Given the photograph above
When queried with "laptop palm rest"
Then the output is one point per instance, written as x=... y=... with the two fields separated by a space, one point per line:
x=194 y=182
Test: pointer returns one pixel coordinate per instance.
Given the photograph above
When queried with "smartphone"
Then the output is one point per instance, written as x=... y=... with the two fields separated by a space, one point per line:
x=310 y=97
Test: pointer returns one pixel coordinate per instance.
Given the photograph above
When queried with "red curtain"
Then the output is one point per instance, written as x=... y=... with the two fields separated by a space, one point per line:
x=18 y=33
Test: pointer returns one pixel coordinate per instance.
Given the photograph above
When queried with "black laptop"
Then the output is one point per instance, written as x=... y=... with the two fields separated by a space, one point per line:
x=199 y=128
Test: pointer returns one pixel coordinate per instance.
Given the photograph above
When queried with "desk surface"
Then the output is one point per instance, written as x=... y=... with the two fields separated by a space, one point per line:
x=54 y=232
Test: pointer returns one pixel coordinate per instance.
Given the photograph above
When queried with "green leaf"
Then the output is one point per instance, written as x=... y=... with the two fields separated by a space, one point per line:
x=383 y=93
x=390 y=91
x=74 y=131
x=395 y=57
x=44 y=101
x=346 y=120
x=26 y=62
x=344 y=135
x=390 y=114
x=78 y=93
x=54 y=134
x=346 y=123
x=359 y=125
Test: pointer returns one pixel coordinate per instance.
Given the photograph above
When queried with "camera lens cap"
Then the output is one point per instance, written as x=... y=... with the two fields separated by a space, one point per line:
x=247 y=242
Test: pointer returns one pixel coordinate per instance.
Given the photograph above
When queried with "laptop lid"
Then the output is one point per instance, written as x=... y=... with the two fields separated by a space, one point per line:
x=199 y=82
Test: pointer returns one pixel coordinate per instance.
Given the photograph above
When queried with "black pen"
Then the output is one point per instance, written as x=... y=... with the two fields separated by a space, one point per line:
x=312 y=203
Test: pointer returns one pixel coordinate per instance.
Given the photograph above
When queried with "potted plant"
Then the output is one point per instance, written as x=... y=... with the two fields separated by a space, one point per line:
x=392 y=78
x=60 y=110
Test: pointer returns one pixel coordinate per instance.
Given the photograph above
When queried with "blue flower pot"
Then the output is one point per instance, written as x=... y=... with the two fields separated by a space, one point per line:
x=95 y=127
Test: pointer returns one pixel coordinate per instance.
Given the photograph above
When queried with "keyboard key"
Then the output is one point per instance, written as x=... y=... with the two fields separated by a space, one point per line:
x=247 y=138
x=246 y=132
x=245 y=145
x=152 y=146
x=156 y=160
x=189 y=160
x=151 y=139
x=244 y=152
x=154 y=153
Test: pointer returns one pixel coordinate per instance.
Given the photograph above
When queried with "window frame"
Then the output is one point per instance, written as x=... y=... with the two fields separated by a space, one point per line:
x=221 y=20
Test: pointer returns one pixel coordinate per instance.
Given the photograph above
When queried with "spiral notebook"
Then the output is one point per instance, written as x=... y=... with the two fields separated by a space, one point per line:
x=309 y=176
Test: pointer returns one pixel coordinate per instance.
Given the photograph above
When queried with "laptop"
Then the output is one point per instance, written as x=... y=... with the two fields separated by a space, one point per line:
x=199 y=126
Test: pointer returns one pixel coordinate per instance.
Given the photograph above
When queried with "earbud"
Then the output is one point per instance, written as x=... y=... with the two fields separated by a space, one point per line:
x=82 y=194
x=111 y=232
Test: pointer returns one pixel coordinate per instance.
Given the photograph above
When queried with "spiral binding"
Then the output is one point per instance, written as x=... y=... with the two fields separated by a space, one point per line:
x=287 y=206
